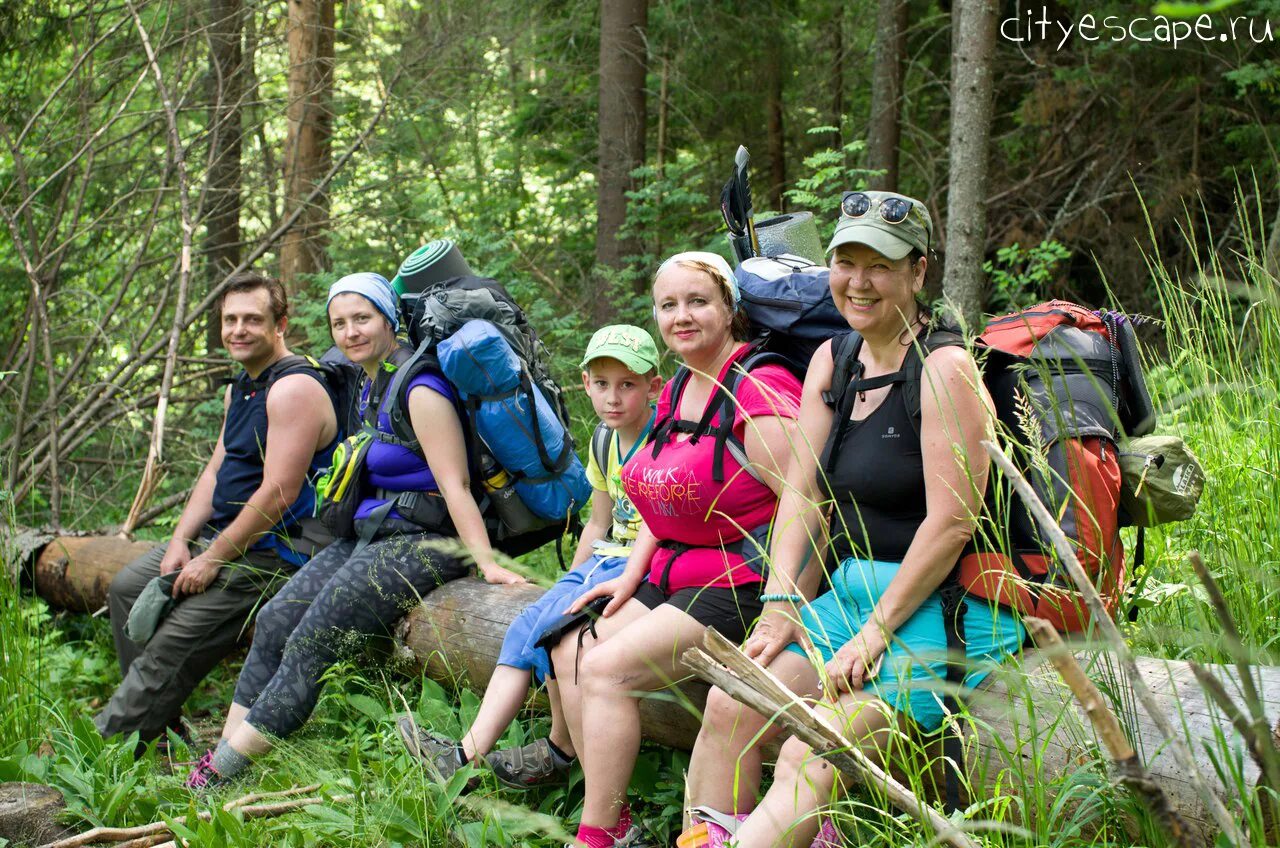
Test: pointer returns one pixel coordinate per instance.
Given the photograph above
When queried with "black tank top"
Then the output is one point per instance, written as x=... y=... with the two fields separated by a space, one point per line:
x=877 y=483
x=244 y=436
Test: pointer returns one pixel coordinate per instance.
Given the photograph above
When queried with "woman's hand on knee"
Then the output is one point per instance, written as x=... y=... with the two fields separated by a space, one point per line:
x=857 y=662
x=778 y=627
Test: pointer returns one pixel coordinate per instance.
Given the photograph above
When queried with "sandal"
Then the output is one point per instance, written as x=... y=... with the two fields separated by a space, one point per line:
x=533 y=765
x=438 y=754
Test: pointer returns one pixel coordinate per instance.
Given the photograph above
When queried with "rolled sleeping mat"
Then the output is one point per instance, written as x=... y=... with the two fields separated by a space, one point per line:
x=795 y=233
x=432 y=263
x=479 y=362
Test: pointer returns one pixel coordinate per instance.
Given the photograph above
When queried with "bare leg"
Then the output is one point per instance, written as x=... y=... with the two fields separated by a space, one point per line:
x=643 y=656
x=235 y=715
x=724 y=773
x=804 y=785
x=503 y=698
x=249 y=741
x=559 y=733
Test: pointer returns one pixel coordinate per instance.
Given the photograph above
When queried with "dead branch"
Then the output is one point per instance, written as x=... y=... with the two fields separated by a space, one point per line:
x=1124 y=760
x=746 y=681
x=1107 y=627
x=154 y=469
x=253 y=811
x=1261 y=745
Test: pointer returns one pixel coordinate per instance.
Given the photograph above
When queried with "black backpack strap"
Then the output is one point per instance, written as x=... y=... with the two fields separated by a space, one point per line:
x=953 y=613
x=844 y=358
x=913 y=368
x=600 y=438
x=666 y=425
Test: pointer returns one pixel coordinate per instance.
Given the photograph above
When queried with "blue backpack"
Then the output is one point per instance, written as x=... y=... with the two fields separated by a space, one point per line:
x=788 y=300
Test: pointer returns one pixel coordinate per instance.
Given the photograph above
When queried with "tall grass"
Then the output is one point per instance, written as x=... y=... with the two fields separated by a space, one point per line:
x=22 y=682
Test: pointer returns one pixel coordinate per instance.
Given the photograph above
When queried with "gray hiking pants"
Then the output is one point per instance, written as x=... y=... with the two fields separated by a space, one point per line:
x=200 y=631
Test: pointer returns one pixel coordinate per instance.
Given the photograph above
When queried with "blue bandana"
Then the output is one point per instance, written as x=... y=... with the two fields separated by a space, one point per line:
x=375 y=289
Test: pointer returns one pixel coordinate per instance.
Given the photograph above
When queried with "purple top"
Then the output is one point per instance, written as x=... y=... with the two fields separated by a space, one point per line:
x=396 y=468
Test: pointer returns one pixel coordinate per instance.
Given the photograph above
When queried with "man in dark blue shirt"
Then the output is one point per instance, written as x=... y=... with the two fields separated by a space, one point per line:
x=238 y=539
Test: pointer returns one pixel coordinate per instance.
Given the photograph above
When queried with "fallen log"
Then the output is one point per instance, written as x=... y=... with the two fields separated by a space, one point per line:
x=1030 y=732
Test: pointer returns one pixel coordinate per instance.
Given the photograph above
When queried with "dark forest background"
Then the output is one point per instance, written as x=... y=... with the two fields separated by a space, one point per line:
x=148 y=149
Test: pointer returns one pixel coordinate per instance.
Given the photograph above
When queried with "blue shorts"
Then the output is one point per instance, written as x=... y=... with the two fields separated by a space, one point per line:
x=914 y=666
x=518 y=649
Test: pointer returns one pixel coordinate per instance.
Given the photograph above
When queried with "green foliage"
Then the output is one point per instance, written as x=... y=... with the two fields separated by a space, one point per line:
x=1021 y=276
x=830 y=175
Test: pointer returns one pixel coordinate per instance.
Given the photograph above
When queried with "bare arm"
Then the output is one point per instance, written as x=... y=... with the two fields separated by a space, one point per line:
x=624 y=585
x=955 y=418
x=199 y=507
x=597 y=527
x=300 y=420
x=798 y=535
x=439 y=432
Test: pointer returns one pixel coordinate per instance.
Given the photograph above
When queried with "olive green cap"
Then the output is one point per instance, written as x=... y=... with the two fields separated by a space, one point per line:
x=892 y=241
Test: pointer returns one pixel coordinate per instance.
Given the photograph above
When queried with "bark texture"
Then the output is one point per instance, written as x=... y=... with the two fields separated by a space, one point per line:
x=622 y=123
x=885 y=132
x=973 y=42
x=222 y=247
x=306 y=150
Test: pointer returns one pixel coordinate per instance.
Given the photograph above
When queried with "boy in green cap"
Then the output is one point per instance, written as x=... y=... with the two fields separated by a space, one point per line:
x=620 y=375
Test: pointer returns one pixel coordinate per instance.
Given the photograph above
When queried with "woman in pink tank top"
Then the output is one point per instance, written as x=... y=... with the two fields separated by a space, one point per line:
x=707 y=495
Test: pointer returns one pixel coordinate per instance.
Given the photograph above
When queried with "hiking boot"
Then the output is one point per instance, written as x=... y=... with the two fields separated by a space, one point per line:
x=204 y=777
x=439 y=754
x=535 y=764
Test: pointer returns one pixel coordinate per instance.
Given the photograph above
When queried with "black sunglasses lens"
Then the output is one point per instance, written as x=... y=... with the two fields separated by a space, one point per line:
x=855 y=204
x=895 y=209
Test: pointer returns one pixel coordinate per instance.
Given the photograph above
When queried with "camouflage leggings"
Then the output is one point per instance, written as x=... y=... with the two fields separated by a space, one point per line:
x=327 y=612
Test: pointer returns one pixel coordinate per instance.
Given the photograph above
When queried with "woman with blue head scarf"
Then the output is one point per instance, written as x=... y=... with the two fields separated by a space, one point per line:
x=404 y=547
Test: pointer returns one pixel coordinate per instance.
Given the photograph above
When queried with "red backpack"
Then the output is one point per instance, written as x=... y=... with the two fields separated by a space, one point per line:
x=1066 y=382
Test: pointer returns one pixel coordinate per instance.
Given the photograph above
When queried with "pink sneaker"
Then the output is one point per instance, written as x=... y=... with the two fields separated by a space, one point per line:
x=204 y=777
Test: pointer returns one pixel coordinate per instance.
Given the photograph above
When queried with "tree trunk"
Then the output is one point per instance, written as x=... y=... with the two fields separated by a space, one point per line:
x=29 y=813
x=306 y=150
x=225 y=93
x=622 y=123
x=885 y=133
x=775 y=123
x=1028 y=725
x=973 y=42
x=837 y=74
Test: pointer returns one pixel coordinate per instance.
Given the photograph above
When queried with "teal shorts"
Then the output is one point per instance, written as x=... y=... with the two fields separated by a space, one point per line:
x=914 y=666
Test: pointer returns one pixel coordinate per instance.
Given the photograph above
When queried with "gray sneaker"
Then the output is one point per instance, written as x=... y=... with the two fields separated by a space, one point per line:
x=439 y=754
x=533 y=765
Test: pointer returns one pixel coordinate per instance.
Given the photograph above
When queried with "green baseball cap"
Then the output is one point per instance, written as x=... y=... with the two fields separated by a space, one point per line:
x=628 y=344
x=893 y=241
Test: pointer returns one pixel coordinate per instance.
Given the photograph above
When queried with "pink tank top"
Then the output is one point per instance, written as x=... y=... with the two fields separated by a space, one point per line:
x=680 y=502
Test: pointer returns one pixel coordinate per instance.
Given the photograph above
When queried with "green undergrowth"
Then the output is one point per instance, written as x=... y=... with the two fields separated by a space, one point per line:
x=1214 y=369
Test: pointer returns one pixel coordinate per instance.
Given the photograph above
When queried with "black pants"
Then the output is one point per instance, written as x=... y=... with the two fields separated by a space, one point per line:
x=328 y=611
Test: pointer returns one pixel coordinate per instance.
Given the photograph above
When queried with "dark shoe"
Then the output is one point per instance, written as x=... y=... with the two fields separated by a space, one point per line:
x=204 y=777
x=439 y=754
x=533 y=765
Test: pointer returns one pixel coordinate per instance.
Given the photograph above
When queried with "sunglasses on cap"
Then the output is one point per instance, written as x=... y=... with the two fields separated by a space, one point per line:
x=892 y=210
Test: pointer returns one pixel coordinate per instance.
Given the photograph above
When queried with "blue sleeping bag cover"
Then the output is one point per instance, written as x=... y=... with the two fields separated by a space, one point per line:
x=480 y=362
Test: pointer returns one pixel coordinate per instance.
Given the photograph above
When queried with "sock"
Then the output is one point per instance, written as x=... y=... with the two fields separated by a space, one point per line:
x=565 y=759
x=463 y=759
x=594 y=837
x=620 y=829
x=227 y=761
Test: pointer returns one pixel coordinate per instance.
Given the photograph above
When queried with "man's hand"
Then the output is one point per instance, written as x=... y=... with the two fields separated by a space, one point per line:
x=176 y=556
x=196 y=576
